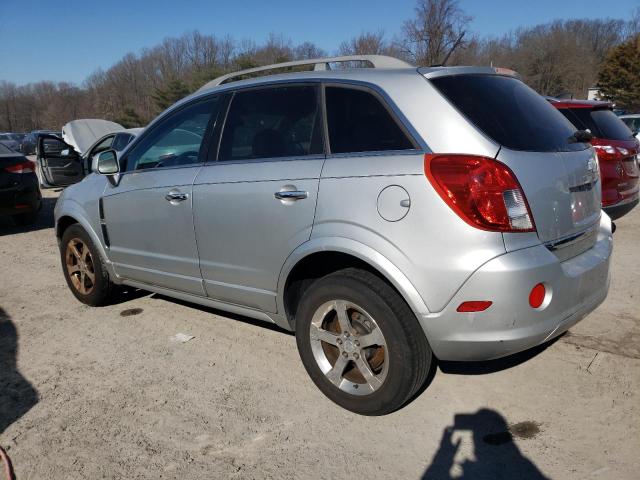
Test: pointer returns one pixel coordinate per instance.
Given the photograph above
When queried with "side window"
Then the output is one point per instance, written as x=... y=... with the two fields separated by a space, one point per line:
x=103 y=145
x=176 y=140
x=121 y=140
x=358 y=122
x=272 y=122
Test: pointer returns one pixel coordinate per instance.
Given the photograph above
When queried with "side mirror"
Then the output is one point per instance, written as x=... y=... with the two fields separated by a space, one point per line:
x=108 y=163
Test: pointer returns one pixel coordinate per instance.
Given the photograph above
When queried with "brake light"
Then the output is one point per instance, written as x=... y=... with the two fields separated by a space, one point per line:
x=23 y=167
x=610 y=152
x=482 y=191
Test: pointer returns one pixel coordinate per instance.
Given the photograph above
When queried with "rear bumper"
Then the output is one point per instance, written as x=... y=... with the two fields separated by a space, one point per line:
x=574 y=287
x=21 y=198
x=621 y=209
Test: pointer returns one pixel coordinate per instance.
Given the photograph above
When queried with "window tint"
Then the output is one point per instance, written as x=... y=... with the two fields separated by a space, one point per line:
x=272 y=122
x=581 y=122
x=103 y=145
x=509 y=112
x=121 y=140
x=5 y=149
x=176 y=140
x=608 y=124
x=358 y=122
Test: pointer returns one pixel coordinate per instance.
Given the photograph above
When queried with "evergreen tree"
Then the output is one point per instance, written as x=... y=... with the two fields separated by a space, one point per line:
x=619 y=76
x=174 y=90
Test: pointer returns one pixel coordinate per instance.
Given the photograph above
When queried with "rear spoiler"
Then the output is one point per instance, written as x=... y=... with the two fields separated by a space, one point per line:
x=435 y=72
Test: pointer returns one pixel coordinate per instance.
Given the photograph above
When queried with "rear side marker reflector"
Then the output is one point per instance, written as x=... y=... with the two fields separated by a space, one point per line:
x=474 y=306
x=481 y=191
x=536 y=297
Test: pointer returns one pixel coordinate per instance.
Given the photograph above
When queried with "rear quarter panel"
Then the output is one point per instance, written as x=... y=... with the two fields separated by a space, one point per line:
x=431 y=245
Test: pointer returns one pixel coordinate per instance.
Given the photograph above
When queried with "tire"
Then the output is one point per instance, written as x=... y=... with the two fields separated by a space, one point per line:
x=96 y=291
x=385 y=341
x=24 y=219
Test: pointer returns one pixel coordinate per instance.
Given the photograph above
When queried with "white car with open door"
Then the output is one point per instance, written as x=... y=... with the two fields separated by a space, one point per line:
x=67 y=160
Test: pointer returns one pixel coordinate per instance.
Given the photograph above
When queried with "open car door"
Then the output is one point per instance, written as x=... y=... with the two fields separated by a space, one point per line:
x=62 y=161
x=59 y=164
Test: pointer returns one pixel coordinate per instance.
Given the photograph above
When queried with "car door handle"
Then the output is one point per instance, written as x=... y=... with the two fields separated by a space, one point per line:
x=291 y=195
x=176 y=197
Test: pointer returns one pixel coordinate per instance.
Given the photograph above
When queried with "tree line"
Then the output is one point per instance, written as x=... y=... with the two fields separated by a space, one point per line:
x=563 y=57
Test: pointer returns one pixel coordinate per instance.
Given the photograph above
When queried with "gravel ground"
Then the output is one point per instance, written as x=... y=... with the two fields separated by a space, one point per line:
x=104 y=393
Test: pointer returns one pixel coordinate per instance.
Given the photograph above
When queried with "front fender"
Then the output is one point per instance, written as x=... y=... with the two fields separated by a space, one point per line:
x=360 y=251
x=69 y=207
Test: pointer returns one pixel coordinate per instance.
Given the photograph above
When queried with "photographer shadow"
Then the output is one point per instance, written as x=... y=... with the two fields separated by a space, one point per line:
x=17 y=395
x=495 y=455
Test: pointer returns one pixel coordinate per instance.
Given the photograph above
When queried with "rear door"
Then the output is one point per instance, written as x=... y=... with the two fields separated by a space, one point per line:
x=256 y=203
x=558 y=175
x=59 y=164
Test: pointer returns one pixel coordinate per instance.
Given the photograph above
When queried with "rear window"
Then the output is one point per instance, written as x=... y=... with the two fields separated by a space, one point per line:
x=509 y=112
x=603 y=123
x=4 y=149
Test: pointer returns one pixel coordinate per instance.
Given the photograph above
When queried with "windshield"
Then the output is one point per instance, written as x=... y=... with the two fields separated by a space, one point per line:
x=509 y=112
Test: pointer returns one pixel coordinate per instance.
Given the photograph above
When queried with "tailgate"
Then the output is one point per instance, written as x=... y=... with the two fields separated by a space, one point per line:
x=563 y=190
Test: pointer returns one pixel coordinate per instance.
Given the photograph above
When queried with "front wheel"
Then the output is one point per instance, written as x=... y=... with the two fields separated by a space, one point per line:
x=83 y=268
x=360 y=342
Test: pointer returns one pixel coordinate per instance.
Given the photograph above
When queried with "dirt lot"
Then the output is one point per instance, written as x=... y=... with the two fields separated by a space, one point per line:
x=99 y=394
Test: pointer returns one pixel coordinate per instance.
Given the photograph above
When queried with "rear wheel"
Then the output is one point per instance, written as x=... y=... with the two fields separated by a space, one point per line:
x=360 y=342
x=83 y=268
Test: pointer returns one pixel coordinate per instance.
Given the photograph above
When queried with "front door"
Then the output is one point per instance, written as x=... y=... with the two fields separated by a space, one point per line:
x=256 y=203
x=59 y=164
x=148 y=213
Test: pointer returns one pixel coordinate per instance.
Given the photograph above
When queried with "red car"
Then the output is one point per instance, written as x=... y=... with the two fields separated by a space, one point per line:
x=618 y=151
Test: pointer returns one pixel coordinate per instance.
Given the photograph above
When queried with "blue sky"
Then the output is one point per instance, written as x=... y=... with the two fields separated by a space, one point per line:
x=69 y=39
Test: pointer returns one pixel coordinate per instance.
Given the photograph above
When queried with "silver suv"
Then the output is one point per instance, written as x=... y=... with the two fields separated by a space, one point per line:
x=389 y=216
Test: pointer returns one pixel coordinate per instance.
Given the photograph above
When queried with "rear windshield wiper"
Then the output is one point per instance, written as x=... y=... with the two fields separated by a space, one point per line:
x=581 y=136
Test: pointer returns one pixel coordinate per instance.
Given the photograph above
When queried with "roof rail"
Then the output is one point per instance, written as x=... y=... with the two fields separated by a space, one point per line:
x=376 y=61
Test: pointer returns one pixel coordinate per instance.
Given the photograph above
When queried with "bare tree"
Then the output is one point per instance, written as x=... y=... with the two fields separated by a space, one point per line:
x=367 y=43
x=437 y=31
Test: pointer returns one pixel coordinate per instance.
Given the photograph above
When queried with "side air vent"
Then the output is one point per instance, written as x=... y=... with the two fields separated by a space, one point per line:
x=103 y=223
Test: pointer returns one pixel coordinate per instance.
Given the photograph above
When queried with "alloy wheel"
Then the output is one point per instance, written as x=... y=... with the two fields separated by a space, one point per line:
x=349 y=347
x=80 y=266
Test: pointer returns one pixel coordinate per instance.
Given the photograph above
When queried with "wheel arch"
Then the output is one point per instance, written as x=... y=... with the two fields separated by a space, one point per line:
x=73 y=217
x=321 y=256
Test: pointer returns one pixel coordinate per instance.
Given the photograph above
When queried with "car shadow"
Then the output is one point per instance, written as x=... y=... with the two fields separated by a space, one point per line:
x=17 y=395
x=497 y=365
x=221 y=313
x=44 y=221
x=494 y=455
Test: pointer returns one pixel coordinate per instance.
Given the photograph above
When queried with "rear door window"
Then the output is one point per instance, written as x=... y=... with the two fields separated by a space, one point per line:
x=272 y=122
x=509 y=112
x=358 y=122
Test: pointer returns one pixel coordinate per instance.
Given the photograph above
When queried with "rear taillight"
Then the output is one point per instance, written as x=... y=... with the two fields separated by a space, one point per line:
x=482 y=191
x=610 y=152
x=23 y=167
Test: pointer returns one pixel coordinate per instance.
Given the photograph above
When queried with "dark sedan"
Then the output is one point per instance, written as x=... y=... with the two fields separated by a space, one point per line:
x=20 y=195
